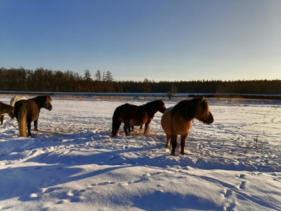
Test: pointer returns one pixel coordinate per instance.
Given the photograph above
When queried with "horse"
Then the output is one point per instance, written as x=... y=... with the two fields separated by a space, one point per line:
x=177 y=120
x=4 y=108
x=15 y=99
x=27 y=111
x=132 y=115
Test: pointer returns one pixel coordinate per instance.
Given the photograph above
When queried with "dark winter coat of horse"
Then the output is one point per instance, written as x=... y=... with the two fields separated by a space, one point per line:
x=132 y=115
x=27 y=111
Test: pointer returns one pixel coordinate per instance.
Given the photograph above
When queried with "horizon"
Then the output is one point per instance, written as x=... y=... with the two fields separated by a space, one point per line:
x=145 y=79
x=159 y=40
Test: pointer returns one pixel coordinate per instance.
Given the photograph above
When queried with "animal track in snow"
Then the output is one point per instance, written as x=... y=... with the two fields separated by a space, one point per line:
x=242 y=185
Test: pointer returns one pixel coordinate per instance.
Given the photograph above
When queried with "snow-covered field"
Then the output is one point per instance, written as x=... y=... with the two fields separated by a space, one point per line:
x=72 y=163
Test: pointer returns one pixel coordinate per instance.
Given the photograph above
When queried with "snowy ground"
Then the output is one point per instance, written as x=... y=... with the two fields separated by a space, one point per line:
x=72 y=163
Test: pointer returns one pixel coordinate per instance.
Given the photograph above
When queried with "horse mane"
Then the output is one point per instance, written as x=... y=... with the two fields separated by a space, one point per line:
x=187 y=108
x=41 y=100
x=152 y=105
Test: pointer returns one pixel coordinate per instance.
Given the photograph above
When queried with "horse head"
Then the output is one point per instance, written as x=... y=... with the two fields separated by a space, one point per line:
x=11 y=112
x=162 y=106
x=203 y=113
x=48 y=104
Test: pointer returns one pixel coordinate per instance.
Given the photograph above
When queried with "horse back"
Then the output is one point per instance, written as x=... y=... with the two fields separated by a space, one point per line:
x=129 y=113
x=122 y=112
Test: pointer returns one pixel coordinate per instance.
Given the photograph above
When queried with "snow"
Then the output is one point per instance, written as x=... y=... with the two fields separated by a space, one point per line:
x=72 y=163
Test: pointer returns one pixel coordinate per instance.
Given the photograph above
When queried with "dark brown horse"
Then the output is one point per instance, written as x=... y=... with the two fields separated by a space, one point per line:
x=4 y=108
x=177 y=120
x=27 y=111
x=132 y=115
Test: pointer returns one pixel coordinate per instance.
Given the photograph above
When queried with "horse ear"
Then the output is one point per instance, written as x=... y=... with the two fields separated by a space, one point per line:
x=199 y=98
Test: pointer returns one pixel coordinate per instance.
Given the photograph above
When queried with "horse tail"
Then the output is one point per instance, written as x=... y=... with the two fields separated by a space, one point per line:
x=115 y=122
x=22 y=122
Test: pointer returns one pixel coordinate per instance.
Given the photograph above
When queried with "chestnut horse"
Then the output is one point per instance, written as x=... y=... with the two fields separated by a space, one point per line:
x=4 y=108
x=27 y=111
x=132 y=115
x=177 y=120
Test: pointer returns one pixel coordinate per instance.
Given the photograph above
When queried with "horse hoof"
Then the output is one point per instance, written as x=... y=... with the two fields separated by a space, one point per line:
x=114 y=134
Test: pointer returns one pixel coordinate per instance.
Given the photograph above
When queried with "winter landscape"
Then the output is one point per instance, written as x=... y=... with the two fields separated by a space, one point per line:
x=72 y=162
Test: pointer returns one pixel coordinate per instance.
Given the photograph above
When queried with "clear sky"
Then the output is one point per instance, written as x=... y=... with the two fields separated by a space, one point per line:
x=137 y=39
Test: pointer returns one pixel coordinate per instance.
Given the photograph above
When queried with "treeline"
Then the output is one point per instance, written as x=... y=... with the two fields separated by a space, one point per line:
x=57 y=81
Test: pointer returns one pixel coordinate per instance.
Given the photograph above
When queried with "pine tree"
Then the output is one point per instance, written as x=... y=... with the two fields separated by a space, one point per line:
x=87 y=75
x=108 y=77
x=98 y=76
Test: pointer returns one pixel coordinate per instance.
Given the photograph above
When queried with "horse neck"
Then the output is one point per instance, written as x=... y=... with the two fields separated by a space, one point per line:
x=6 y=108
x=150 y=111
x=186 y=110
x=38 y=102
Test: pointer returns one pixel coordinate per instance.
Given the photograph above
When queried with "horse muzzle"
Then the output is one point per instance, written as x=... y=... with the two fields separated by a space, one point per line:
x=49 y=107
x=162 y=110
x=11 y=114
x=210 y=119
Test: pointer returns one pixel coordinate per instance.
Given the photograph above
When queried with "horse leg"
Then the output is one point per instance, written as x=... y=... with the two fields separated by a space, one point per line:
x=174 y=144
x=131 y=128
x=183 y=138
x=115 y=128
x=168 y=143
x=146 y=126
x=1 y=119
x=126 y=126
x=36 y=125
x=28 y=128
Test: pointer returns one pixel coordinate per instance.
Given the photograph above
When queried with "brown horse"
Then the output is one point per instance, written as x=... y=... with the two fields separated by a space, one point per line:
x=132 y=115
x=4 y=108
x=27 y=111
x=177 y=120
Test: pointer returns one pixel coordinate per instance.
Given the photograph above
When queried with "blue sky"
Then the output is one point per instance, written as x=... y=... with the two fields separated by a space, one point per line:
x=136 y=39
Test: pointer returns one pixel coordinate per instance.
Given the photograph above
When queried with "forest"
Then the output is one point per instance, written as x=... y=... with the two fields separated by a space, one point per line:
x=42 y=80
